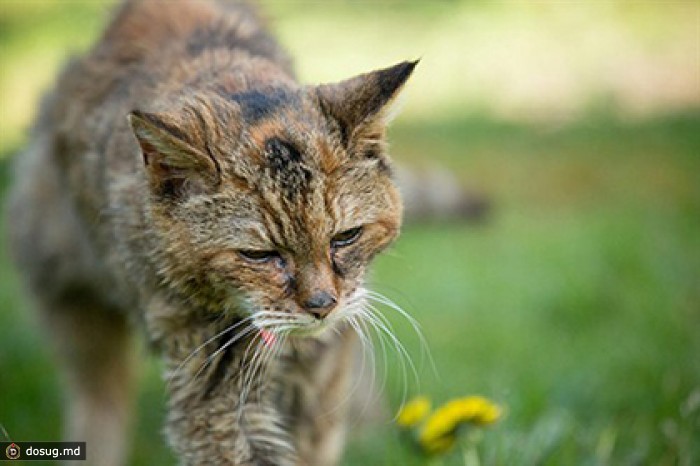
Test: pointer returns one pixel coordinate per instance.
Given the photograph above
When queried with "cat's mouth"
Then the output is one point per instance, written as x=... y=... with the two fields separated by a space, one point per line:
x=301 y=327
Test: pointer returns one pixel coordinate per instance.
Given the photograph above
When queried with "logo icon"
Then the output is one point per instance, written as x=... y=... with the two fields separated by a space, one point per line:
x=12 y=451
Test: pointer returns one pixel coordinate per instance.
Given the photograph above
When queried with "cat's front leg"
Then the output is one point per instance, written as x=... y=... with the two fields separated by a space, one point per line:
x=324 y=396
x=211 y=421
x=219 y=410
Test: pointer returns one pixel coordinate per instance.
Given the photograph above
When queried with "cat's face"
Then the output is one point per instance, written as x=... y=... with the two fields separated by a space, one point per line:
x=274 y=201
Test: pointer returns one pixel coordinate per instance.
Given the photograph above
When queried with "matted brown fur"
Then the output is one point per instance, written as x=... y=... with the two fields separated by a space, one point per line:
x=181 y=182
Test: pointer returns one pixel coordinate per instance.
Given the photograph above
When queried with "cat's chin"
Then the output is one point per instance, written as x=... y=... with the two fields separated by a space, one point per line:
x=313 y=330
x=317 y=330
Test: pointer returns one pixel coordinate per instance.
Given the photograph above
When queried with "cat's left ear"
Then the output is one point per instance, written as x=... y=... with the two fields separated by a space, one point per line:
x=174 y=166
x=363 y=103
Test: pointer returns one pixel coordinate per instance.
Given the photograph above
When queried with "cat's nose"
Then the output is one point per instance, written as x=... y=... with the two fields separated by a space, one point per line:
x=320 y=304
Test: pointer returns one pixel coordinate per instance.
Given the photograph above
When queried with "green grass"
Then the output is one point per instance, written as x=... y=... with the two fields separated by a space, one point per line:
x=575 y=305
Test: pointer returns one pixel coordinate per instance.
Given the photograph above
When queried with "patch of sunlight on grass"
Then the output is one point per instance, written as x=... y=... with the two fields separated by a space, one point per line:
x=514 y=61
x=31 y=72
x=505 y=60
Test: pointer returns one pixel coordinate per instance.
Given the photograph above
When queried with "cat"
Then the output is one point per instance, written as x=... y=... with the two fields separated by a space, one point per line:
x=180 y=183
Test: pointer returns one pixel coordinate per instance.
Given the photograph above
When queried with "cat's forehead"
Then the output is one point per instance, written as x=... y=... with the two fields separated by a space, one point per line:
x=257 y=105
x=284 y=135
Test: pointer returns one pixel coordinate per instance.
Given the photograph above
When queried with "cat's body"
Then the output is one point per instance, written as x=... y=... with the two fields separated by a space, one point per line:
x=181 y=182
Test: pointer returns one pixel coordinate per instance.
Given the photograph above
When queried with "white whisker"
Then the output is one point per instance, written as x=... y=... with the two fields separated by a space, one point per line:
x=177 y=370
x=386 y=326
x=244 y=332
x=425 y=348
x=245 y=375
x=383 y=333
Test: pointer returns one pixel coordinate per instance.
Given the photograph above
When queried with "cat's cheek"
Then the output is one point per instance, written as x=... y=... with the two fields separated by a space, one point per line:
x=270 y=280
x=281 y=282
x=374 y=244
x=348 y=265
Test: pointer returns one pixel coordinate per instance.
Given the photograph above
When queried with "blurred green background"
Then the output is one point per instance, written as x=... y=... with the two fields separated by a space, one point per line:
x=575 y=304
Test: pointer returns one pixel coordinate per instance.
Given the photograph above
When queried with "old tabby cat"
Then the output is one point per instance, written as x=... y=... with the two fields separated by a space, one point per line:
x=179 y=180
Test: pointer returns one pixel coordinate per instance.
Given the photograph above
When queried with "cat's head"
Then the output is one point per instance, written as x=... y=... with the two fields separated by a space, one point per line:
x=273 y=200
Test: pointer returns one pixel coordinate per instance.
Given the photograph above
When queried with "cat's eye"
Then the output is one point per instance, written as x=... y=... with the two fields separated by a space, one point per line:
x=346 y=237
x=259 y=256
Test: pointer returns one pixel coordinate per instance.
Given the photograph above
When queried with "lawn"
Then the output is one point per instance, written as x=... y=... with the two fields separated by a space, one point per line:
x=575 y=304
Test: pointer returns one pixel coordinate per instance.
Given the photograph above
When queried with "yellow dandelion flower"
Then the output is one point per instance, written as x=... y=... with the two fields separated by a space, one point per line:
x=413 y=412
x=440 y=445
x=443 y=423
x=487 y=414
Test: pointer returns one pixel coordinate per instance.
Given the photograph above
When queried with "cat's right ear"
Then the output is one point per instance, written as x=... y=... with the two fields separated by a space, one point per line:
x=362 y=105
x=174 y=168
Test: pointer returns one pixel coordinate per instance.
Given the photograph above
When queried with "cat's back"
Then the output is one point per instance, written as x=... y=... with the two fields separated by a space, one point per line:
x=153 y=29
x=152 y=48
